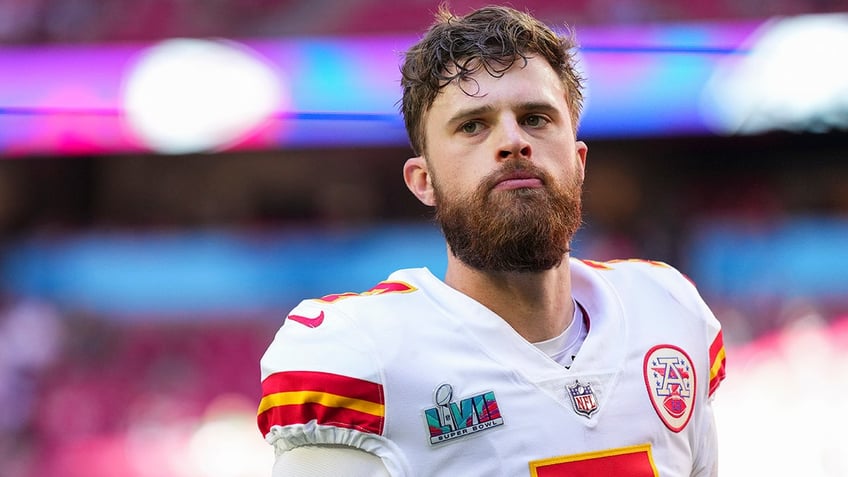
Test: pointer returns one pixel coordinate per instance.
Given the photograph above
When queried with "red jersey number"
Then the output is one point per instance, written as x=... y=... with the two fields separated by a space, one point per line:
x=634 y=461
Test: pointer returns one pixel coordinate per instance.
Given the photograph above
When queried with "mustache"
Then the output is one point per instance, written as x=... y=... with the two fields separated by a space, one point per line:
x=510 y=167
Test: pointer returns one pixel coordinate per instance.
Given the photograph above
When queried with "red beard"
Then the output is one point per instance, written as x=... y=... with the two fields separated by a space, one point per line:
x=517 y=230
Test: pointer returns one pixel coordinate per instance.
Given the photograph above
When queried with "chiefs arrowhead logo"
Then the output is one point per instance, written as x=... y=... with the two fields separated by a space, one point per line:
x=670 y=379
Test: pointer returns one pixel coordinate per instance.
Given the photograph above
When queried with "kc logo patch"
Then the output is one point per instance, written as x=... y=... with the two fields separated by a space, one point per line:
x=670 y=379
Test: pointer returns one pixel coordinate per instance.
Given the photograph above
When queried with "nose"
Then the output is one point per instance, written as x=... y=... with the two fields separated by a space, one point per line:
x=513 y=142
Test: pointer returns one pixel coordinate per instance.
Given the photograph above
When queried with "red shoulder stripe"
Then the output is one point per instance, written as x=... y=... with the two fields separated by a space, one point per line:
x=297 y=397
x=717 y=363
x=325 y=382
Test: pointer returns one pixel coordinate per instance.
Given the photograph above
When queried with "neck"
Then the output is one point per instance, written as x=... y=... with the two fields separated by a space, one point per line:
x=537 y=305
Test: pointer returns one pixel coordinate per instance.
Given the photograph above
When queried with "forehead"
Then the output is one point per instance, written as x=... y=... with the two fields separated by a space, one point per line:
x=532 y=82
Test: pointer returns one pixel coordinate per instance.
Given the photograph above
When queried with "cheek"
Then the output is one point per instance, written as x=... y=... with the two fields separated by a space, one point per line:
x=566 y=167
x=458 y=169
x=458 y=182
x=448 y=177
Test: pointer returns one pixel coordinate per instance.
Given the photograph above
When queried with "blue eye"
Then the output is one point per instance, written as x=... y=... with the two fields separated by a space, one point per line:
x=535 y=121
x=470 y=127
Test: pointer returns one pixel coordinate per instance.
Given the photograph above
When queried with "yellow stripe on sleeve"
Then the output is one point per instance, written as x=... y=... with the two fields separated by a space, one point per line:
x=717 y=363
x=322 y=398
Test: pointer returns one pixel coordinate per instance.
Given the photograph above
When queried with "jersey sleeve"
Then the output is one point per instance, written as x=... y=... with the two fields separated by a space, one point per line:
x=684 y=291
x=328 y=461
x=706 y=446
x=689 y=295
x=321 y=383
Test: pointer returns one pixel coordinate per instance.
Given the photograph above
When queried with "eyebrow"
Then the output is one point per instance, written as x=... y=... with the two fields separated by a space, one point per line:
x=465 y=114
x=542 y=106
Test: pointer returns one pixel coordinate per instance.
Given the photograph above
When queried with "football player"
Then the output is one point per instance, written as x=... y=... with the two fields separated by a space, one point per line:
x=522 y=360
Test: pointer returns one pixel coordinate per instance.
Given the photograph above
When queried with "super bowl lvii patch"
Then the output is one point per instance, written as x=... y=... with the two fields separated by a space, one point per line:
x=450 y=419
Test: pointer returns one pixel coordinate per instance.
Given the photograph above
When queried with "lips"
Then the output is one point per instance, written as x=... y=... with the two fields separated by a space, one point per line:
x=519 y=180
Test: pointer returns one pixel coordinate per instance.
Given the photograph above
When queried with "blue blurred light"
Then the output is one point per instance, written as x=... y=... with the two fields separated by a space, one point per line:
x=212 y=272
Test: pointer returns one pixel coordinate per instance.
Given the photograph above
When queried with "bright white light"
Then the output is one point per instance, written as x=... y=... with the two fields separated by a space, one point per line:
x=794 y=78
x=782 y=412
x=189 y=95
x=228 y=444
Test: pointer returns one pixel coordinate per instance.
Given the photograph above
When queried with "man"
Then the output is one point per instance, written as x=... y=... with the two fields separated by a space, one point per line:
x=523 y=361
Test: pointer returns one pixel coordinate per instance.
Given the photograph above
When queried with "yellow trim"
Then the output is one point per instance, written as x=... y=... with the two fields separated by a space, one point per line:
x=325 y=399
x=336 y=297
x=594 y=455
x=596 y=264
x=379 y=291
x=655 y=263
x=719 y=359
x=373 y=291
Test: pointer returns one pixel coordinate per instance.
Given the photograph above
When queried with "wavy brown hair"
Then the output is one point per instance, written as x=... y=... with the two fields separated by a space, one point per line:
x=493 y=38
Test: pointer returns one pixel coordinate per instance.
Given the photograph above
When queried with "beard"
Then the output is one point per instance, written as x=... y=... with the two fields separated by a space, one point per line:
x=514 y=230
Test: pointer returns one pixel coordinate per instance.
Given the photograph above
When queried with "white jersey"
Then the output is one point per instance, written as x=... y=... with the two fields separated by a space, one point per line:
x=434 y=383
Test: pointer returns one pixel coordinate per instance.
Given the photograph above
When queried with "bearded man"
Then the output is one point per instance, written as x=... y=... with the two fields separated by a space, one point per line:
x=522 y=360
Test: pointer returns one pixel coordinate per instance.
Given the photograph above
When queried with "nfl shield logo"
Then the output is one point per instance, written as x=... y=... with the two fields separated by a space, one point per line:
x=582 y=398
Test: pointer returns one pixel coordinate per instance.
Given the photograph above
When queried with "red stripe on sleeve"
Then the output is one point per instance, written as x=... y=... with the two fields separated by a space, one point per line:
x=718 y=344
x=717 y=358
x=303 y=412
x=389 y=286
x=289 y=381
x=329 y=416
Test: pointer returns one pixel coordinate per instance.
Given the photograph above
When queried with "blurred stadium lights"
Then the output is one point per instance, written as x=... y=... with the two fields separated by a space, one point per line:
x=782 y=395
x=794 y=78
x=189 y=95
x=794 y=257
x=766 y=408
x=210 y=274
x=182 y=95
x=131 y=276
x=222 y=442
x=194 y=95
x=225 y=443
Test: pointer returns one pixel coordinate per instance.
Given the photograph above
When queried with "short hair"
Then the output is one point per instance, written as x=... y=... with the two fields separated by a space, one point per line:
x=493 y=38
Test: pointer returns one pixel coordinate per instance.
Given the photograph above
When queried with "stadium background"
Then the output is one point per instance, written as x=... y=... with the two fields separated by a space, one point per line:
x=143 y=269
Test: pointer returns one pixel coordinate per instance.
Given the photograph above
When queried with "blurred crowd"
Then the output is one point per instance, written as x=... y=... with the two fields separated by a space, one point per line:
x=88 y=395
x=81 y=396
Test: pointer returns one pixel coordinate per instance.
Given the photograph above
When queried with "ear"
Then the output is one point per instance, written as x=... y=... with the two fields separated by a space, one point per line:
x=582 y=151
x=418 y=180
